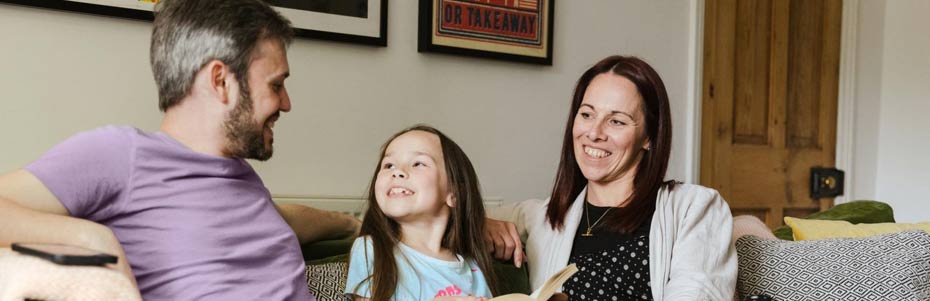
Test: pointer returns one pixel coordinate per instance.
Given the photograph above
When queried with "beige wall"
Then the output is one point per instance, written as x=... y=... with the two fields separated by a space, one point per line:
x=63 y=72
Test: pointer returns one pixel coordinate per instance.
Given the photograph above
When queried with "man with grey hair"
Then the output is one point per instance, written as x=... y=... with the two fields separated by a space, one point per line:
x=187 y=215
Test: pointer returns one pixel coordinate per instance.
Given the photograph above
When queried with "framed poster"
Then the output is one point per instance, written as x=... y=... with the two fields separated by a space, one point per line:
x=354 y=21
x=513 y=30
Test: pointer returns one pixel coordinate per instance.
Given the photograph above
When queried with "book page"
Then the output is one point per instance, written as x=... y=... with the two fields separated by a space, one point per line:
x=554 y=283
x=547 y=290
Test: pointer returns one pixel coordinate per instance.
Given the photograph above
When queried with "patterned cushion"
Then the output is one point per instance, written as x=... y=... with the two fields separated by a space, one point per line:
x=885 y=267
x=327 y=280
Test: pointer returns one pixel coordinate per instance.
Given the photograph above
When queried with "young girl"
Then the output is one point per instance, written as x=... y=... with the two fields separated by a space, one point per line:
x=421 y=238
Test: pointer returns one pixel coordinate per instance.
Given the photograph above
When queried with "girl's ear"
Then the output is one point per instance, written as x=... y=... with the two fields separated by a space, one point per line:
x=450 y=200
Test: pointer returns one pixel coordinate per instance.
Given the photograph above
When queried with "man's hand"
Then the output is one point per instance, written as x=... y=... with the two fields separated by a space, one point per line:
x=311 y=224
x=505 y=240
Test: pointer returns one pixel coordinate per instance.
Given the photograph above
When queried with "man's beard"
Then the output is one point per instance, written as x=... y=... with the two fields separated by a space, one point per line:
x=244 y=138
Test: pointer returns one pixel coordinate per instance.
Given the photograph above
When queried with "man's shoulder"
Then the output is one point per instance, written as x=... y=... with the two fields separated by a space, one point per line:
x=109 y=134
x=101 y=143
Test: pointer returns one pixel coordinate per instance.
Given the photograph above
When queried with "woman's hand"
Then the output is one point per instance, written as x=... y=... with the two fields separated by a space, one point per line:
x=505 y=241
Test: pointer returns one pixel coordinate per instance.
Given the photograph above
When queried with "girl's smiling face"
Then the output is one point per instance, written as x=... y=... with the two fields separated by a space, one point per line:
x=411 y=185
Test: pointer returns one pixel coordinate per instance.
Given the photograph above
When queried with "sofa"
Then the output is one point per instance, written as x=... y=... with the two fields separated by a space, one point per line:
x=853 y=251
x=757 y=246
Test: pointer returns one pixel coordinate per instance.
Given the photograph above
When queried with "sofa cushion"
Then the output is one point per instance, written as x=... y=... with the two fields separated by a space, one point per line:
x=326 y=278
x=817 y=229
x=885 y=267
x=854 y=212
x=32 y=278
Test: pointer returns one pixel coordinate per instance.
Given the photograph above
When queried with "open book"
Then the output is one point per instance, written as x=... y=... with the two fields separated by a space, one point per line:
x=547 y=290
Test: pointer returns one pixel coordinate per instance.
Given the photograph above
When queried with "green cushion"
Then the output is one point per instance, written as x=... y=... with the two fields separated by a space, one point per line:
x=869 y=212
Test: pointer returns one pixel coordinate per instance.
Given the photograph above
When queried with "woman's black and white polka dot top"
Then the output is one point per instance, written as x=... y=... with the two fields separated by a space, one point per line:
x=611 y=266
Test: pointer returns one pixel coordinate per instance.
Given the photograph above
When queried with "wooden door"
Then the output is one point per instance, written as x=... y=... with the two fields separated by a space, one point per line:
x=769 y=102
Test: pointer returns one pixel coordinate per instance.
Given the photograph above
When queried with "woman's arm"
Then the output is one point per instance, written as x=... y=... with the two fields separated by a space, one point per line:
x=703 y=264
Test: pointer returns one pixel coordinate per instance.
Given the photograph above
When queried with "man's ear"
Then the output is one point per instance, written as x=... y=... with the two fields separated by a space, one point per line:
x=220 y=80
x=450 y=200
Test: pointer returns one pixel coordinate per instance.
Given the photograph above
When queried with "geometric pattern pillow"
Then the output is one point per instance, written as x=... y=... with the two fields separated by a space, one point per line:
x=892 y=266
x=326 y=281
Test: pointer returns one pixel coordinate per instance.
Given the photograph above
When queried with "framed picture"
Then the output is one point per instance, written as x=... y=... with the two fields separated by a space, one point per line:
x=513 y=30
x=354 y=21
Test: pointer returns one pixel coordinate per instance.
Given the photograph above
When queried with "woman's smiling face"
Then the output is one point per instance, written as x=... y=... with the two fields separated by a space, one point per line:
x=609 y=129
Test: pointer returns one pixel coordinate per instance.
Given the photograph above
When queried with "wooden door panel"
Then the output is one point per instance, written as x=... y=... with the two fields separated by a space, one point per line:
x=806 y=36
x=751 y=106
x=769 y=102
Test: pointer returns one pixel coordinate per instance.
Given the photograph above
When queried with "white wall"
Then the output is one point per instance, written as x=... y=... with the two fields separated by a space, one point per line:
x=892 y=105
x=870 y=32
x=903 y=166
x=63 y=72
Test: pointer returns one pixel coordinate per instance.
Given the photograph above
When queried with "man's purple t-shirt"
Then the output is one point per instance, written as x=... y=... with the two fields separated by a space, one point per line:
x=194 y=226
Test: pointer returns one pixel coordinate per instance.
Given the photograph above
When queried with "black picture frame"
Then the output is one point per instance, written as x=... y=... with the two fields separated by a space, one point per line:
x=472 y=42
x=379 y=39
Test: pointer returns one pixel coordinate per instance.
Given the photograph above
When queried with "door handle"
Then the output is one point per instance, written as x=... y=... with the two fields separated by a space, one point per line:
x=826 y=182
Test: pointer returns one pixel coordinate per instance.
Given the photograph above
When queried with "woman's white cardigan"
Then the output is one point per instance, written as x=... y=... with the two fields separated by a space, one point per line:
x=690 y=244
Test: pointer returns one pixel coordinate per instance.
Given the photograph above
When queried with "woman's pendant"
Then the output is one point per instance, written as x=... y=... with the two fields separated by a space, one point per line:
x=588 y=232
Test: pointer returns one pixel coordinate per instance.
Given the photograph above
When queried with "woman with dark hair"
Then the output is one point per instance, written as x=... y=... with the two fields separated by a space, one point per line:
x=632 y=234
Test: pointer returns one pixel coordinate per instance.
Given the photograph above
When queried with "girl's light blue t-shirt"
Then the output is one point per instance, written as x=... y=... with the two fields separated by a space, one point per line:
x=420 y=277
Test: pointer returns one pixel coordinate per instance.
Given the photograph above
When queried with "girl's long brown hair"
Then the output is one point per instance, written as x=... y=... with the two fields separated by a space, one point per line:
x=463 y=232
x=650 y=173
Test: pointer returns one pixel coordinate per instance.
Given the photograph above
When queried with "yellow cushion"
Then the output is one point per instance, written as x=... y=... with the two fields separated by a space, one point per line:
x=810 y=229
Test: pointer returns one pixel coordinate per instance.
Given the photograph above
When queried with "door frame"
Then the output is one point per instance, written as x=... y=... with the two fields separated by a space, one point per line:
x=845 y=112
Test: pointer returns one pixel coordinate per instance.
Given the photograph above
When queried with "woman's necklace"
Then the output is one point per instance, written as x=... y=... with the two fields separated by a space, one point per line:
x=588 y=218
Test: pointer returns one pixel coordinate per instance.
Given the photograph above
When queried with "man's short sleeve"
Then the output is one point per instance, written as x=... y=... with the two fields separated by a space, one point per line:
x=88 y=172
x=360 y=265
